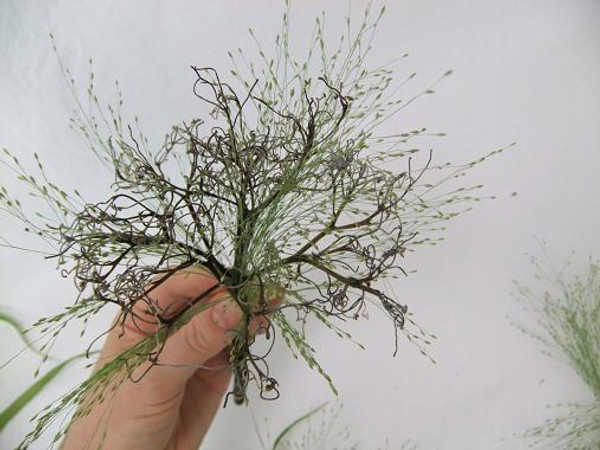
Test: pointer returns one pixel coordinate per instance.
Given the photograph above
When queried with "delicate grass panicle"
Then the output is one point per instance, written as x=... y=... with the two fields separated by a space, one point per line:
x=285 y=185
x=568 y=311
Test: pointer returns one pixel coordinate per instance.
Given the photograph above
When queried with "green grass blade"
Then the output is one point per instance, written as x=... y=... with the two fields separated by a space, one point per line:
x=291 y=426
x=32 y=391
x=19 y=328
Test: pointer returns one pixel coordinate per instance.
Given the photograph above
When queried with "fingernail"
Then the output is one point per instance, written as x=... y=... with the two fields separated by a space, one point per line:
x=226 y=315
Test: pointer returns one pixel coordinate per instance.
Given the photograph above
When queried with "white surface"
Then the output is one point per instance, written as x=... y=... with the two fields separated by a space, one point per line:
x=526 y=71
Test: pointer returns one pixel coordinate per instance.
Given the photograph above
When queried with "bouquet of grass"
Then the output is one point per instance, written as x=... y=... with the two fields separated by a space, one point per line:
x=286 y=186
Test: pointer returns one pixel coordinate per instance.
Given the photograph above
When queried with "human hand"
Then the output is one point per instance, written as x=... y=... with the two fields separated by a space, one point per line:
x=174 y=404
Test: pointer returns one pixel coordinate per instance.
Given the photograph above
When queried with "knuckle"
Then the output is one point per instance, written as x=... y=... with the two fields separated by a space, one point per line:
x=201 y=338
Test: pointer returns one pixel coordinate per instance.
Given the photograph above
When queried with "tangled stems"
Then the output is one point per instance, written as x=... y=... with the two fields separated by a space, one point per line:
x=285 y=187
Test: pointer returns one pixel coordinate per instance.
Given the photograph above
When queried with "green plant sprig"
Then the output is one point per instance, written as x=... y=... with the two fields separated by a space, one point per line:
x=320 y=429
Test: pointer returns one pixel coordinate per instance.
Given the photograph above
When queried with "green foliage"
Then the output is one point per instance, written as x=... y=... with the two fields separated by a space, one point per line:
x=319 y=429
x=568 y=312
x=15 y=324
x=32 y=391
x=278 y=443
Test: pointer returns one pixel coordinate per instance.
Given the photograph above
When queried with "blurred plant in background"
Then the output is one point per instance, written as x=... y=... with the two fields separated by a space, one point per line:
x=568 y=315
x=320 y=429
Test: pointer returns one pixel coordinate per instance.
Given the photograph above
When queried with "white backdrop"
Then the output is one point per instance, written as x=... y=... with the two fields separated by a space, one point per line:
x=525 y=71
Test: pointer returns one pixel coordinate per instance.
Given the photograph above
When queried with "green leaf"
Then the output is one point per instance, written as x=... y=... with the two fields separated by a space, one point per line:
x=31 y=393
x=295 y=423
x=14 y=323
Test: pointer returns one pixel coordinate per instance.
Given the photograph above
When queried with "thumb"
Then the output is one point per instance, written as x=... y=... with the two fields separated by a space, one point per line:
x=145 y=415
x=204 y=337
x=190 y=347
